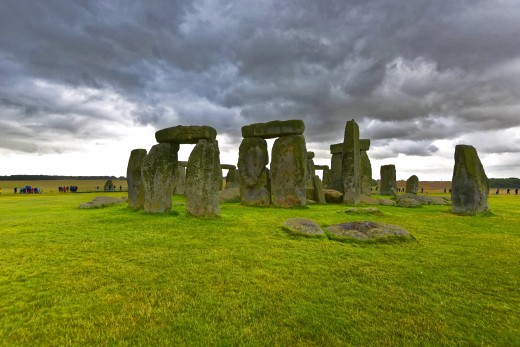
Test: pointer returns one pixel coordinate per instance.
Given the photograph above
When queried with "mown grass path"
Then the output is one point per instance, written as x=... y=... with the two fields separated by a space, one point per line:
x=114 y=276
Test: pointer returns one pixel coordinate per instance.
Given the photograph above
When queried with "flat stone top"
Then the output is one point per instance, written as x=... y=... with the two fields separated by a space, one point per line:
x=310 y=155
x=228 y=167
x=321 y=167
x=364 y=144
x=336 y=148
x=274 y=129
x=190 y=134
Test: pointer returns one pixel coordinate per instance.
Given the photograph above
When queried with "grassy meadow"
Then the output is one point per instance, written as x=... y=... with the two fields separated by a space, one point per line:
x=115 y=276
x=51 y=186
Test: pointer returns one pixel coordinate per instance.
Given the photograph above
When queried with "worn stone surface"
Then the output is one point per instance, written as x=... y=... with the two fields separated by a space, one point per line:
x=289 y=171
x=366 y=173
x=253 y=174
x=273 y=129
x=326 y=181
x=412 y=185
x=365 y=199
x=321 y=167
x=425 y=199
x=228 y=167
x=134 y=179
x=182 y=163
x=408 y=202
x=470 y=185
x=185 y=134
x=102 y=201
x=335 y=173
x=336 y=148
x=109 y=186
x=232 y=179
x=362 y=210
x=319 y=196
x=364 y=144
x=302 y=226
x=386 y=202
x=367 y=230
x=203 y=177
x=311 y=172
x=179 y=181
x=310 y=155
x=351 y=164
x=158 y=172
x=388 y=179
x=229 y=195
x=333 y=196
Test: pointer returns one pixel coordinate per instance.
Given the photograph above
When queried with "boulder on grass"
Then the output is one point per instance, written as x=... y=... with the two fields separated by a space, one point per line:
x=367 y=230
x=304 y=227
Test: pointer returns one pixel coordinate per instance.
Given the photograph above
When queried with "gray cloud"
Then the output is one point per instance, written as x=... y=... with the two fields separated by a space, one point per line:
x=426 y=71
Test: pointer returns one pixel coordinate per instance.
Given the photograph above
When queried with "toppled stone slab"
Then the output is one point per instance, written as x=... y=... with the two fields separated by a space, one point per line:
x=365 y=199
x=426 y=199
x=229 y=195
x=102 y=201
x=190 y=134
x=408 y=202
x=366 y=231
x=273 y=129
x=333 y=196
x=304 y=227
x=362 y=210
x=386 y=202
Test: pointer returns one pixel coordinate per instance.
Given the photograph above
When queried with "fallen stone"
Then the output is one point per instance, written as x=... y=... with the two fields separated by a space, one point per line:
x=304 y=227
x=333 y=196
x=273 y=129
x=366 y=231
x=362 y=210
x=386 y=202
x=365 y=199
x=102 y=201
x=408 y=202
x=186 y=134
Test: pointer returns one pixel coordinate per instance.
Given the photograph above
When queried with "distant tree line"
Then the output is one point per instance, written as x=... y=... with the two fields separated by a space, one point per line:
x=511 y=182
x=54 y=178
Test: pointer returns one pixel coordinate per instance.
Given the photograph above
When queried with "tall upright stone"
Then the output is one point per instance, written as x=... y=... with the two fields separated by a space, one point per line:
x=351 y=164
x=311 y=172
x=289 y=171
x=158 y=172
x=135 y=180
x=335 y=177
x=470 y=185
x=179 y=182
x=255 y=186
x=388 y=180
x=203 y=175
x=366 y=167
x=412 y=185
x=232 y=179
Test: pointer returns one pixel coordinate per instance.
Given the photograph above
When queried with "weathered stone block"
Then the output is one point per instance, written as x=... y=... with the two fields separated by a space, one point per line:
x=321 y=167
x=366 y=173
x=203 y=175
x=288 y=171
x=351 y=164
x=388 y=179
x=232 y=179
x=273 y=129
x=135 y=180
x=158 y=171
x=412 y=185
x=227 y=167
x=179 y=181
x=253 y=174
x=470 y=185
x=336 y=148
x=185 y=134
x=364 y=144
x=319 y=196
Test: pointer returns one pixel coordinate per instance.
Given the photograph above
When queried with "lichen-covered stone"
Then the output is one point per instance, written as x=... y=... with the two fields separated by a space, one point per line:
x=135 y=180
x=179 y=181
x=351 y=164
x=367 y=231
x=186 y=134
x=336 y=148
x=366 y=173
x=255 y=187
x=158 y=171
x=388 y=179
x=326 y=181
x=102 y=201
x=470 y=185
x=364 y=144
x=333 y=196
x=319 y=196
x=408 y=202
x=203 y=177
x=310 y=172
x=273 y=129
x=335 y=173
x=412 y=185
x=229 y=195
x=321 y=167
x=303 y=226
x=227 y=167
x=288 y=171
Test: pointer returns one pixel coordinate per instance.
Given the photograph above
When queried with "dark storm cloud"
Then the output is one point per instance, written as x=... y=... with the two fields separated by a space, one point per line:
x=416 y=71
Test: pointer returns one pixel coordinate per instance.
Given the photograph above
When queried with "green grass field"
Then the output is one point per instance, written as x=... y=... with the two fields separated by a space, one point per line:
x=114 y=276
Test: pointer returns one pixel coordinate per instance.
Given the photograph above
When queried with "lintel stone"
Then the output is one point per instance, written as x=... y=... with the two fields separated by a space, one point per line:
x=336 y=148
x=364 y=144
x=274 y=129
x=321 y=167
x=228 y=166
x=190 y=134
x=310 y=155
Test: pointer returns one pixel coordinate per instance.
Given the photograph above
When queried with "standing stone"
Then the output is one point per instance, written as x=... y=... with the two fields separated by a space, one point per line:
x=179 y=184
x=289 y=171
x=109 y=186
x=203 y=175
x=253 y=174
x=366 y=167
x=232 y=179
x=158 y=172
x=135 y=180
x=351 y=164
x=326 y=178
x=388 y=179
x=311 y=172
x=336 y=167
x=319 y=196
x=470 y=185
x=412 y=185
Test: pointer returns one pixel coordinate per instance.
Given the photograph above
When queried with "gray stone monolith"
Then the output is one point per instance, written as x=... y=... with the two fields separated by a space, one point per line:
x=351 y=164
x=255 y=186
x=319 y=196
x=203 y=175
x=388 y=179
x=289 y=171
x=412 y=185
x=311 y=172
x=135 y=180
x=232 y=179
x=366 y=167
x=470 y=185
x=179 y=183
x=335 y=177
x=158 y=172
x=109 y=186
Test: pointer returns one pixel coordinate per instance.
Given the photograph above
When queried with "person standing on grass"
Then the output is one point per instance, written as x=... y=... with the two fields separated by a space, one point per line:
x=507 y=192
x=516 y=191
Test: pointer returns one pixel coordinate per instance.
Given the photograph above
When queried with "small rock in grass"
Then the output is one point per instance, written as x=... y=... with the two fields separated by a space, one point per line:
x=362 y=210
x=367 y=231
x=303 y=226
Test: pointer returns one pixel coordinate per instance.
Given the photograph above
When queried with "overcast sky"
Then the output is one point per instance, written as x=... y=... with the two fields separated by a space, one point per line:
x=82 y=83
